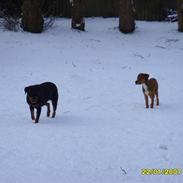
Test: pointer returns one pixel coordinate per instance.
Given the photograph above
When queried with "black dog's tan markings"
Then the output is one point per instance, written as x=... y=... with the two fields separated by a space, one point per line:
x=39 y=95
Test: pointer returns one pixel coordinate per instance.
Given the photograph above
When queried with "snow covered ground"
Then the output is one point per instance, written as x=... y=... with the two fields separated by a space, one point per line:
x=102 y=132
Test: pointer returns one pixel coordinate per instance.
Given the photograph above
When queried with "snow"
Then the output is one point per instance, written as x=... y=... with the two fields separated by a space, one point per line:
x=102 y=132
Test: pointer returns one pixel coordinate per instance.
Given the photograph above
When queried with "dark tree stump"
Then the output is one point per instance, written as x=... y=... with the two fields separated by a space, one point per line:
x=32 y=19
x=126 y=16
x=180 y=15
x=77 y=15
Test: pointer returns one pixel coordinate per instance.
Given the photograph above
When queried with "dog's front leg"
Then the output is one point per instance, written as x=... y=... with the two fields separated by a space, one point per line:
x=32 y=112
x=38 y=114
x=146 y=100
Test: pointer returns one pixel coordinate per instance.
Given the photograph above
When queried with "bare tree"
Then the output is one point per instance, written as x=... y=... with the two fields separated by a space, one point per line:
x=180 y=15
x=32 y=19
x=126 y=16
x=77 y=15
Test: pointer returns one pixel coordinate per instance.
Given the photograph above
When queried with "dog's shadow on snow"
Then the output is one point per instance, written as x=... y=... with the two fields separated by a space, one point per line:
x=163 y=107
x=63 y=120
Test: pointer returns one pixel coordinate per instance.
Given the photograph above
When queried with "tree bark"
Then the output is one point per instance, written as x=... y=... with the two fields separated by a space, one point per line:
x=180 y=15
x=32 y=19
x=77 y=15
x=126 y=16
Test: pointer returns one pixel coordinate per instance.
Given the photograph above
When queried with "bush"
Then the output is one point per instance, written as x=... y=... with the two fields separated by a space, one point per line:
x=9 y=22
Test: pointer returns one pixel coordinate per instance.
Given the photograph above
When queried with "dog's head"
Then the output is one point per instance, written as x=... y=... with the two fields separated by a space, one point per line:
x=31 y=94
x=141 y=78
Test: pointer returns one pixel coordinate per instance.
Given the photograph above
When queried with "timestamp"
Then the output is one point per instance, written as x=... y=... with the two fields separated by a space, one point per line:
x=171 y=171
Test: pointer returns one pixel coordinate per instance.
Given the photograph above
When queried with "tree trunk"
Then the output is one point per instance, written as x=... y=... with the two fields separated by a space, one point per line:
x=126 y=16
x=77 y=15
x=32 y=19
x=180 y=15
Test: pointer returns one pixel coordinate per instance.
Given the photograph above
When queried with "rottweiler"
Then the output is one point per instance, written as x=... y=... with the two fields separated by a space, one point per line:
x=39 y=95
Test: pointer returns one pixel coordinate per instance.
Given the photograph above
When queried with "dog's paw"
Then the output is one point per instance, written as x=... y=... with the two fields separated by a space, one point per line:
x=33 y=118
x=36 y=121
x=48 y=114
x=53 y=115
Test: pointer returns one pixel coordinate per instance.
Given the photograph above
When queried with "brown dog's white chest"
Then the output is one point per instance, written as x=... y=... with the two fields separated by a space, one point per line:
x=144 y=86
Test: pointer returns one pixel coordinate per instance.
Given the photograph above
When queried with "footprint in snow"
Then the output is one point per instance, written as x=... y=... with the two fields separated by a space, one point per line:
x=163 y=147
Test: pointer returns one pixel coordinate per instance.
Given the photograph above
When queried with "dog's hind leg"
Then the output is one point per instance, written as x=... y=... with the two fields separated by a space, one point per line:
x=38 y=114
x=48 y=109
x=32 y=112
x=157 y=98
x=54 y=103
x=152 y=100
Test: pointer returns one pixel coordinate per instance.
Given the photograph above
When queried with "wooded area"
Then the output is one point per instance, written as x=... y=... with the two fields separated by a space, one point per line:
x=145 y=9
x=32 y=12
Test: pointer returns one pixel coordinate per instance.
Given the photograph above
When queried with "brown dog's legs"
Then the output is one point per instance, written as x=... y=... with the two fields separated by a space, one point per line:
x=157 y=98
x=146 y=101
x=48 y=109
x=152 y=100
x=32 y=113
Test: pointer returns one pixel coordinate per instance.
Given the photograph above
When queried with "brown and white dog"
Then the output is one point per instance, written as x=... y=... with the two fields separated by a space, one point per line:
x=149 y=88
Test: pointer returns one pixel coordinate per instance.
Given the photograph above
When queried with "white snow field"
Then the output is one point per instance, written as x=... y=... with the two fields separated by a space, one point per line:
x=102 y=132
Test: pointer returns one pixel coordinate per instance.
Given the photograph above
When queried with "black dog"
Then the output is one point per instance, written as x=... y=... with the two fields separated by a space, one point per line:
x=39 y=95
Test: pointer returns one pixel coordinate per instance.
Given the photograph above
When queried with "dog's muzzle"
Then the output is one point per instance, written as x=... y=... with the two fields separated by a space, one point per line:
x=33 y=100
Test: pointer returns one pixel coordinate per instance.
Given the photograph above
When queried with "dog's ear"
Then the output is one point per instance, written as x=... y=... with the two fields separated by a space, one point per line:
x=146 y=75
x=26 y=89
